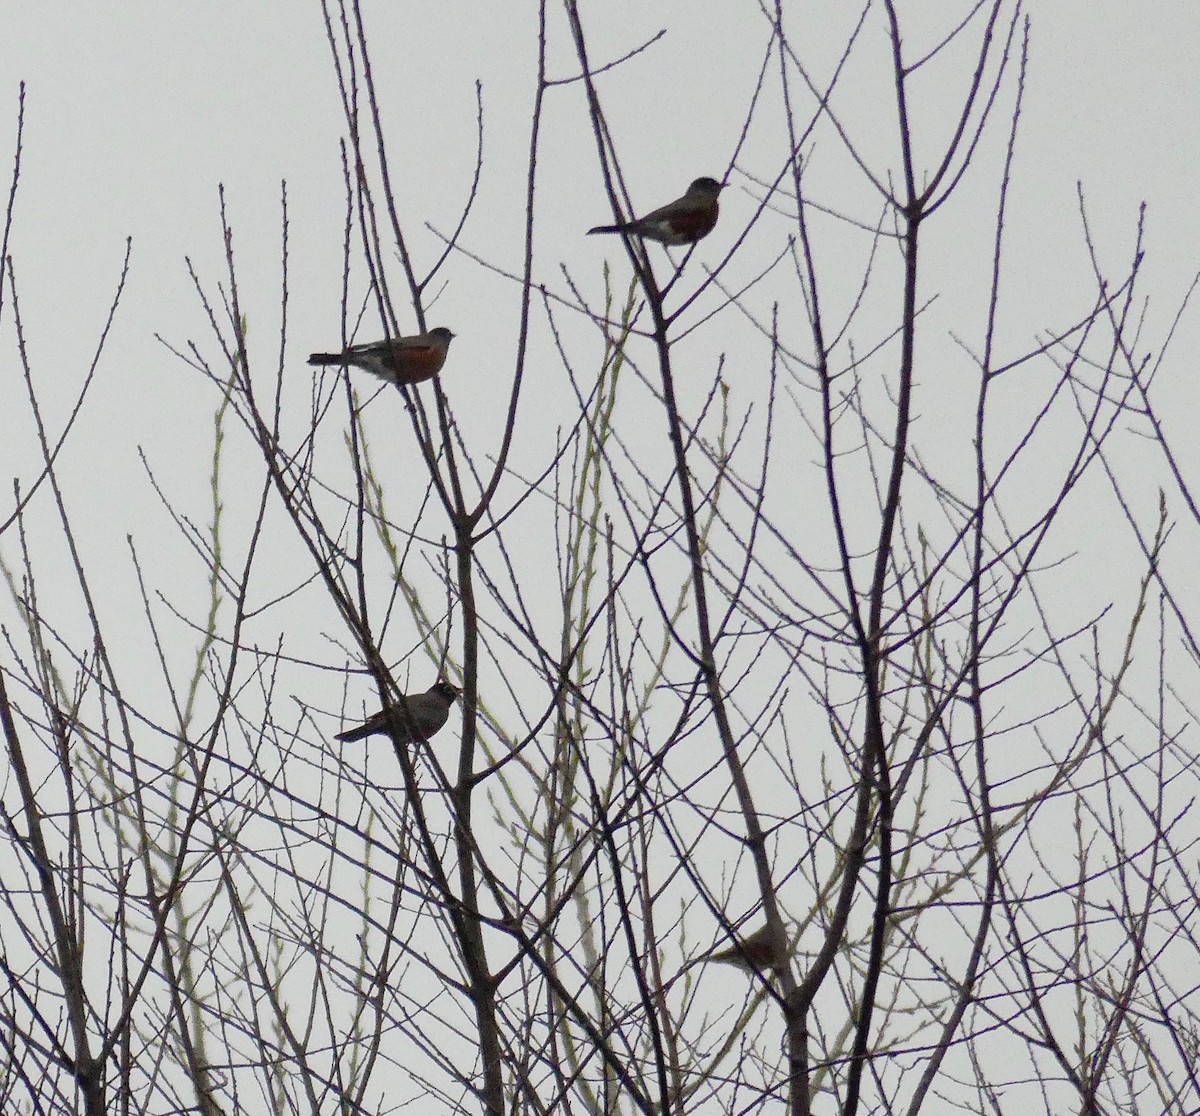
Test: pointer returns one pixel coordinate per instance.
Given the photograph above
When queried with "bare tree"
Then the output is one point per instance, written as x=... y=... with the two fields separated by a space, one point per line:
x=815 y=749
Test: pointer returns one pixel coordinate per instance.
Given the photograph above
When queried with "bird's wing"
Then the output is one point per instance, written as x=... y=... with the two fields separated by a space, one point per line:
x=421 y=342
x=677 y=208
x=400 y=716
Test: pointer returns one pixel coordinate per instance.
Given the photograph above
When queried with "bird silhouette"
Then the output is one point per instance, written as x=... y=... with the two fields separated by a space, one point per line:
x=763 y=952
x=682 y=221
x=413 y=717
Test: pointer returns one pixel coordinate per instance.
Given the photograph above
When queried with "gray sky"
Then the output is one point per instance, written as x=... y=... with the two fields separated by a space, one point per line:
x=136 y=112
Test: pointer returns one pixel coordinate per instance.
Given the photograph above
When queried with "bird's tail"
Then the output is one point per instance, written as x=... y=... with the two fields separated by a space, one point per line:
x=607 y=229
x=353 y=734
x=327 y=358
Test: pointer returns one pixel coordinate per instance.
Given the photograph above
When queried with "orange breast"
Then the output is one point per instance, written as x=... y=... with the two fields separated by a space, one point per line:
x=416 y=363
x=694 y=224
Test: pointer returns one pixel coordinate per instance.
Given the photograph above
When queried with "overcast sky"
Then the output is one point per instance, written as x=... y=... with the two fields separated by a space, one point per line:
x=135 y=112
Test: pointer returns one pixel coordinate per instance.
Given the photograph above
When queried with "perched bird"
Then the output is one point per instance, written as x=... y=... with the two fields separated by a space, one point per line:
x=414 y=717
x=683 y=221
x=762 y=952
x=402 y=360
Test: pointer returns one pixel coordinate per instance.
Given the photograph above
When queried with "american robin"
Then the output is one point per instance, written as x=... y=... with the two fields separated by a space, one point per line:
x=683 y=221
x=762 y=952
x=402 y=360
x=414 y=717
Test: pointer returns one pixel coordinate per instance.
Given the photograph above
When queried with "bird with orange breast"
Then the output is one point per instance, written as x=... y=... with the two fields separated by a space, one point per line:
x=400 y=360
x=683 y=221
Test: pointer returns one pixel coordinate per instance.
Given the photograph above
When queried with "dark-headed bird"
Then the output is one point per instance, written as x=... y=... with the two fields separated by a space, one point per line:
x=413 y=717
x=402 y=360
x=683 y=221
